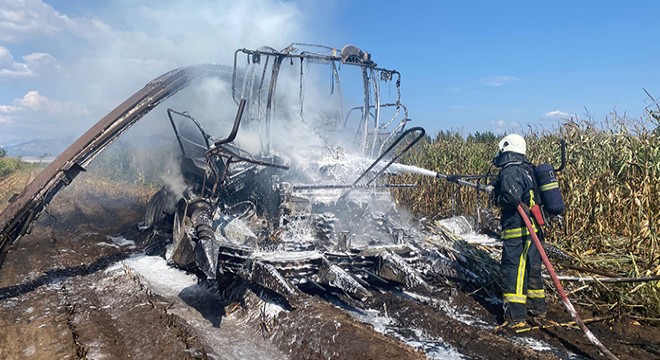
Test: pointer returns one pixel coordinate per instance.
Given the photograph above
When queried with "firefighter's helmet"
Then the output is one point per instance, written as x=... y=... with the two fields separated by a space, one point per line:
x=513 y=143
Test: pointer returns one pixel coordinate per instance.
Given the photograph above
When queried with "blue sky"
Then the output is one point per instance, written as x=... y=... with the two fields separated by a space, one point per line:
x=466 y=65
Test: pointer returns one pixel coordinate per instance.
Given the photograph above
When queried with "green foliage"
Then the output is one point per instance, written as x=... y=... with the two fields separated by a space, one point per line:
x=487 y=137
x=655 y=119
x=3 y=152
x=448 y=135
x=10 y=165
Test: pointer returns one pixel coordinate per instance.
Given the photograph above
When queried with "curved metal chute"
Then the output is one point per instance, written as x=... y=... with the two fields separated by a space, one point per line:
x=17 y=218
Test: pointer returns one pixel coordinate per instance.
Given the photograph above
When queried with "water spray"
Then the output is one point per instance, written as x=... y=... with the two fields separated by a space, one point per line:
x=453 y=178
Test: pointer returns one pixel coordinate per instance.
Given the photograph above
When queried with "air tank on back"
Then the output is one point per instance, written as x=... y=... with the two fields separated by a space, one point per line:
x=549 y=187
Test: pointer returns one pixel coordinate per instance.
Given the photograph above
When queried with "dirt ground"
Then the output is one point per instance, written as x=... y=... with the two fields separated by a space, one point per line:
x=71 y=290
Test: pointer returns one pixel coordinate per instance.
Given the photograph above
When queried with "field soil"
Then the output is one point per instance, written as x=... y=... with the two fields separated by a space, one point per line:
x=88 y=284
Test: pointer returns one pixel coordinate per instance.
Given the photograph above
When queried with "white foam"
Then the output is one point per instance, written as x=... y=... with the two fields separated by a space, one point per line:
x=121 y=241
x=165 y=279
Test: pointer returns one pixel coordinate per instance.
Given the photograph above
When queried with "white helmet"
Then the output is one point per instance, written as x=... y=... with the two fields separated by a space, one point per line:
x=513 y=143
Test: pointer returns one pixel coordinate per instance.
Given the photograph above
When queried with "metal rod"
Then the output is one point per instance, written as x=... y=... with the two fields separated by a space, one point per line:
x=609 y=279
x=562 y=145
x=365 y=110
x=388 y=150
x=270 y=100
x=237 y=123
x=348 y=186
x=483 y=187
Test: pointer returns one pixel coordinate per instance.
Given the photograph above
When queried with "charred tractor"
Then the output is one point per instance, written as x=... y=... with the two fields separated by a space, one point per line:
x=303 y=204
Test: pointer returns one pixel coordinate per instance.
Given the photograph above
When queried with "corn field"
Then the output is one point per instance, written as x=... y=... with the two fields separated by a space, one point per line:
x=611 y=188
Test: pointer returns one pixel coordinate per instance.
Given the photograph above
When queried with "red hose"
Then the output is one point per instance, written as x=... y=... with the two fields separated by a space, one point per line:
x=594 y=340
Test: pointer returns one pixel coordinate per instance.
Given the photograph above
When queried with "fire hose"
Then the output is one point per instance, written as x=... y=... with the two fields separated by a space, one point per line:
x=564 y=298
x=555 y=280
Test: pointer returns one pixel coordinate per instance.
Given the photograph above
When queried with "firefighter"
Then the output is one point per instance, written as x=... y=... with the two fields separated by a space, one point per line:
x=522 y=293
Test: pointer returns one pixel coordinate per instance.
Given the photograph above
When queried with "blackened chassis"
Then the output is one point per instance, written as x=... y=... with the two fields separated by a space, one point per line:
x=228 y=222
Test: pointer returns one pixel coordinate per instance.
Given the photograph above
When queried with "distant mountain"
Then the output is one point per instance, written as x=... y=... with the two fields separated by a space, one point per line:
x=38 y=147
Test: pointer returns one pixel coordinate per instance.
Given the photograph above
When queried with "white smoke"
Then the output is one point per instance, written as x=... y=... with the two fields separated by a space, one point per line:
x=172 y=178
x=95 y=60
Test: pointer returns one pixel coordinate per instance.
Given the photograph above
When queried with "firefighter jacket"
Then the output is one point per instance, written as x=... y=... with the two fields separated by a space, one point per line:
x=514 y=185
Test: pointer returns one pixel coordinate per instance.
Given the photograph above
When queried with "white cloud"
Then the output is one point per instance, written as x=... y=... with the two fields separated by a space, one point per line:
x=7 y=109
x=556 y=114
x=28 y=19
x=502 y=125
x=36 y=116
x=500 y=80
x=34 y=102
x=32 y=64
x=9 y=67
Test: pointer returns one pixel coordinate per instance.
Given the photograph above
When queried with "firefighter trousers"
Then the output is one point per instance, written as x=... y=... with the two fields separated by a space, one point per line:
x=523 y=292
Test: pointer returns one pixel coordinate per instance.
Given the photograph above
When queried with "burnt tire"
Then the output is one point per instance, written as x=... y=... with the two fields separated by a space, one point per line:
x=182 y=253
x=157 y=209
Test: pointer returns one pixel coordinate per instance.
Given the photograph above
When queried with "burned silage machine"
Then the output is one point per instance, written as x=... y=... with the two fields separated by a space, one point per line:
x=296 y=196
x=293 y=215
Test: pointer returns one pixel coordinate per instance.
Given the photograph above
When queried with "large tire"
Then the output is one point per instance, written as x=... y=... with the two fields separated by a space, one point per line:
x=155 y=213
